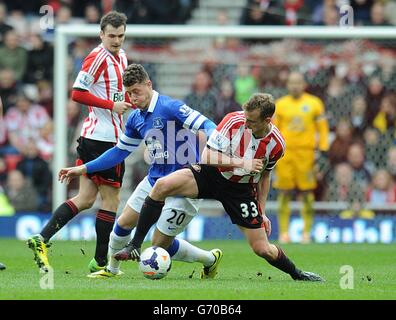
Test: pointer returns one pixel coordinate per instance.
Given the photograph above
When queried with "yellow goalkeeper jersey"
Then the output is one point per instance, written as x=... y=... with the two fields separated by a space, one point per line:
x=302 y=122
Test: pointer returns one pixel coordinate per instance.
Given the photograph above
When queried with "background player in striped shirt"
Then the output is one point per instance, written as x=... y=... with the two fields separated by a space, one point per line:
x=235 y=169
x=99 y=86
x=170 y=130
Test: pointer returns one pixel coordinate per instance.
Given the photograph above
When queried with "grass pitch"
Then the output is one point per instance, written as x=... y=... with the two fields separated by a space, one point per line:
x=242 y=275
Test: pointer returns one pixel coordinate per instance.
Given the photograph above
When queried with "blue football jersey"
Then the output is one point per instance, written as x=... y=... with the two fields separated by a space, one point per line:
x=168 y=127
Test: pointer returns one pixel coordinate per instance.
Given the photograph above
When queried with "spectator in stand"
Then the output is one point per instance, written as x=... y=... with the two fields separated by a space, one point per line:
x=63 y=15
x=355 y=78
x=24 y=122
x=24 y=7
x=40 y=60
x=386 y=68
x=3 y=170
x=21 y=193
x=357 y=159
x=164 y=13
x=4 y=27
x=331 y=16
x=13 y=56
x=8 y=88
x=202 y=98
x=319 y=10
x=37 y=170
x=92 y=14
x=391 y=161
x=375 y=93
x=260 y=13
x=382 y=190
x=79 y=7
x=361 y=10
x=358 y=115
x=345 y=189
x=375 y=147
x=3 y=131
x=245 y=84
x=390 y=9
x=226 y=101
x=135 y=10
x=295 y=13
x=385 y=120
x=45 y=142
x=377 y=15
x=339 y=147
x=337 y=101
x=46 y=96
x=185 y=10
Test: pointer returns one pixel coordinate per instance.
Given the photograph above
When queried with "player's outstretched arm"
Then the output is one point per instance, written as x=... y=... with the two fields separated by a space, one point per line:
x=107 y=160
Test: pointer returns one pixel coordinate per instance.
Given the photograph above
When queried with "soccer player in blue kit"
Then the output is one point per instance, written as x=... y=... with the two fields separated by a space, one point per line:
x=171 y=131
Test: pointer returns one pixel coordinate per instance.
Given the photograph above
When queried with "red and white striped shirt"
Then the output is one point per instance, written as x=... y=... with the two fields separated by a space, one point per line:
x=26 y=124
x=234 y=139
x=101 y=75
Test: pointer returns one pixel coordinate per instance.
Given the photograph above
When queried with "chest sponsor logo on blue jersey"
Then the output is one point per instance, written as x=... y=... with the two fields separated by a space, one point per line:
x=155 y=149
x=157 y=123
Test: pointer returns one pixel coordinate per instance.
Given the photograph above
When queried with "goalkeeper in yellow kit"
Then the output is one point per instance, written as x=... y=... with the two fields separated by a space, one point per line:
x=301 y=119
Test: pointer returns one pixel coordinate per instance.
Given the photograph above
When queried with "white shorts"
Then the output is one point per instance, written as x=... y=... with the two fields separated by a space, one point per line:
x=176 y=213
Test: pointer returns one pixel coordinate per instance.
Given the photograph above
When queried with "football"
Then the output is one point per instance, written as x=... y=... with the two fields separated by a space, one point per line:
x=155 y=263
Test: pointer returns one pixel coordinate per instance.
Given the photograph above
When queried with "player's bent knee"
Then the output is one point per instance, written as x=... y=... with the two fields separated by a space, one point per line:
x=128 y=219
x=84 y=202
x=161 y=188
x=262 y=250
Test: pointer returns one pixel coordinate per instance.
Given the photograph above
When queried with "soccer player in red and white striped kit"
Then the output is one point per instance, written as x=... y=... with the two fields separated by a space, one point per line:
x=98 y=86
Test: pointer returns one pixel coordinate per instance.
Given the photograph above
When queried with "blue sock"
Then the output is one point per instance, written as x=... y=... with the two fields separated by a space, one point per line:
x=173 y=247
x=121 y=232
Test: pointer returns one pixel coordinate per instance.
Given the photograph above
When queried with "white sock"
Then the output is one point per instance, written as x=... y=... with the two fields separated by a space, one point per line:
x=116 y=243
x=189 y=253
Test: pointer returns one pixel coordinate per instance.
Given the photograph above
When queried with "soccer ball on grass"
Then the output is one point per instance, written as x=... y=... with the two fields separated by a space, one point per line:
x=155 y=263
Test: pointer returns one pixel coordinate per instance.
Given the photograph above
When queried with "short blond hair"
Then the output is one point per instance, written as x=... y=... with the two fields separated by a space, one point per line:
x=265 y=102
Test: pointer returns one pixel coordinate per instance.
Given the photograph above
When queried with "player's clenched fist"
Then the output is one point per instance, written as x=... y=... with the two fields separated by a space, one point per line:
x=70 y=173
x=253 y=165
x=121 y=107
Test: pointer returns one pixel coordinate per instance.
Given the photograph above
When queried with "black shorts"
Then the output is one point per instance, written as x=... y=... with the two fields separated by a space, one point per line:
x=238 y=199
x=88 y=150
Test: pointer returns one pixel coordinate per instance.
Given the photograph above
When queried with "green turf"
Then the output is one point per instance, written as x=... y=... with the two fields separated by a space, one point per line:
x=242 y=276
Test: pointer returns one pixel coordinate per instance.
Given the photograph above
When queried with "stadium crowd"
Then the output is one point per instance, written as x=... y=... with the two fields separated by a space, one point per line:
x=355 y=80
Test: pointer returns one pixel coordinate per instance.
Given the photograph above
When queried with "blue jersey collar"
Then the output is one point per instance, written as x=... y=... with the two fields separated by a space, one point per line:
x=153 y=101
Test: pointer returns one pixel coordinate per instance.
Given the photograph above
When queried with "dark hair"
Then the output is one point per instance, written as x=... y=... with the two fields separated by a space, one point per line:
x=114 y=18
x=264 y=102
x=133 y=74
